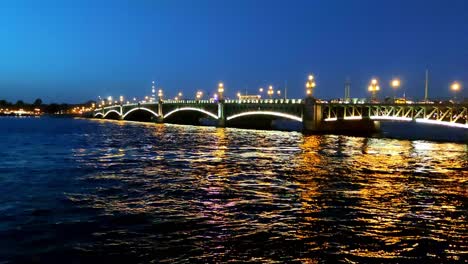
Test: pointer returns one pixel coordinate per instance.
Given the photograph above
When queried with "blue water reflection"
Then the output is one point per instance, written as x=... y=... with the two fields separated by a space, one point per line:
x=109 y=191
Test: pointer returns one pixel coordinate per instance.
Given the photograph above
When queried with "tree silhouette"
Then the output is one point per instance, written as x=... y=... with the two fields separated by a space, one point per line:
x=37 y=102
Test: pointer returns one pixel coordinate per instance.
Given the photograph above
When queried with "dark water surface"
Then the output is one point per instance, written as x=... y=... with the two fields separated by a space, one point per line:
x=87 y=191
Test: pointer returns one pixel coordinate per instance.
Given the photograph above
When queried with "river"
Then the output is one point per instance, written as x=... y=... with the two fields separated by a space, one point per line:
x=90 y=191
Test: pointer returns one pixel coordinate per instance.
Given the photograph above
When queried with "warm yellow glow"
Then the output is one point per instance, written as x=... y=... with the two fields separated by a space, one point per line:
x=121 y=98
x=455 y=86
x=395 y=83
x=370 y=88
x=310 y=84
x=238 y=94
x=374 y=81
x=220 y=87
x=377 y=88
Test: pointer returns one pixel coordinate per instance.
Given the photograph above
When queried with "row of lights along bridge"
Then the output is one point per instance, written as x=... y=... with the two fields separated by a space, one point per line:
x=310 y=84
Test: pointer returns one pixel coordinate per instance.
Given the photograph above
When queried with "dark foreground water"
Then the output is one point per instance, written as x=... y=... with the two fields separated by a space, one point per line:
x=87 y=191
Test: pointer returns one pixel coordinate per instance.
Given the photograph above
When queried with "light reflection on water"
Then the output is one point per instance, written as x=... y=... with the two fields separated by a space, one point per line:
x=168 y=193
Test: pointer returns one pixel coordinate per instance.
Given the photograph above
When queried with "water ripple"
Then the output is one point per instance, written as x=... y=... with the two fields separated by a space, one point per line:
x=143 y=193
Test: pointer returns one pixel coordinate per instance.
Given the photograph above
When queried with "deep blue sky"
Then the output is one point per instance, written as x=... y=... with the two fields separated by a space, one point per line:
x=72 y=51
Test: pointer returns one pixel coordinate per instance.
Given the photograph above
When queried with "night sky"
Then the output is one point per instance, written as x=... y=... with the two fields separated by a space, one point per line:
x=73 y=51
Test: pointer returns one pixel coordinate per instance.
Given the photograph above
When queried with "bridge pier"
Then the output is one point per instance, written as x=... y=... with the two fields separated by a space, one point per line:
x=160 y=117
x=312 y=116
x=221 y=117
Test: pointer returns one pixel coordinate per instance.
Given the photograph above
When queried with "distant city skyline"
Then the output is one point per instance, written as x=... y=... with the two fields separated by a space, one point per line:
x=74 y=52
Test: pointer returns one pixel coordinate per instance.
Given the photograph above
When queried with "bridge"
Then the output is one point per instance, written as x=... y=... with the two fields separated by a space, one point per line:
x=315 y=115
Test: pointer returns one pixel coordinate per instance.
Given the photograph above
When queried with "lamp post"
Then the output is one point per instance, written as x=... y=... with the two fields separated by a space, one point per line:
x=270 y=91
x=278 y=93
x=373 y=89
x=199 y=95
x=310 y=85
x=455 y=87
x=160 y=94
x=395 y=83
x=260 y=91
x=121 y=99
x=221 y=91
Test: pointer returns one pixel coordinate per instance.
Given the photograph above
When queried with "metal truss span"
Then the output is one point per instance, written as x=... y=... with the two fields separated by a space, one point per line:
x=110 y=111
x=445 y=115
x=190 y=109
x=140 y=108
x=270 y=113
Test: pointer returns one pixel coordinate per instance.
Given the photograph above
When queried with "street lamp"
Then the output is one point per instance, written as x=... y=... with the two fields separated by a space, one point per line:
x=270 y=91
x=374 y=88
x=220 y=90
x=455 y=87
x=239 y=95
x=160 y=94
x=199 y=95
x=278 y=92
x=395 y=83
x=310 y=85
x=121 y=99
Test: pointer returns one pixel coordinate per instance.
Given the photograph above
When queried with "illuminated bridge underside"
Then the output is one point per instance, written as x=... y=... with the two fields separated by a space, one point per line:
x=268 y=113
x=191 y=109
x=450 y=115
